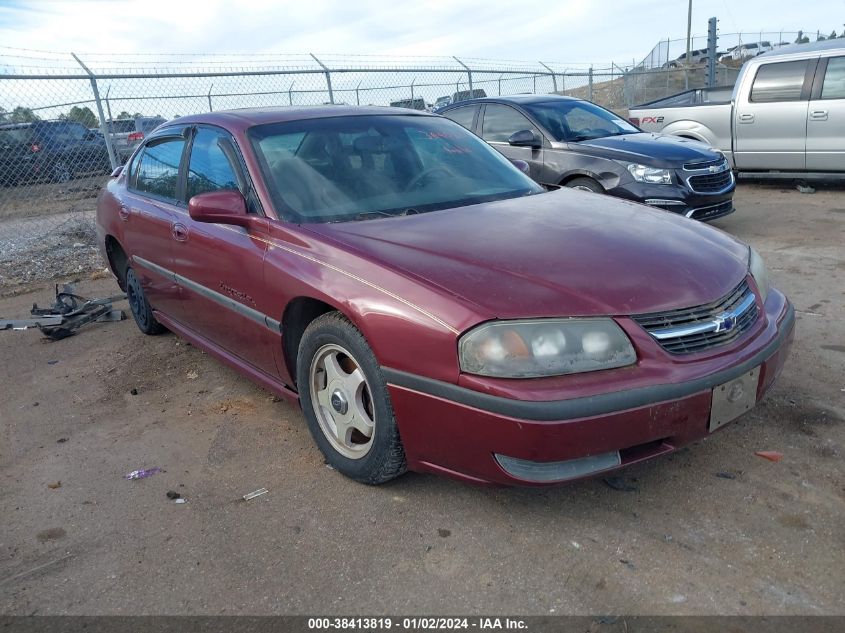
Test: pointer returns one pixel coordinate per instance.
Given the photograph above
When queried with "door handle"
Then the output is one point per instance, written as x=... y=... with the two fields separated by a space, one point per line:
x=746 y=118
x=818 y=115
x=123 y=212
x=179 y=232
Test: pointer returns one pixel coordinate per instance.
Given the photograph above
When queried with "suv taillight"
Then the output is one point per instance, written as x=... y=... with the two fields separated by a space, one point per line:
x=135 y=136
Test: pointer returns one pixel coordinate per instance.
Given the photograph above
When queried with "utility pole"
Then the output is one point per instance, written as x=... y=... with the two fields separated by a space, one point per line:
x=689 y=33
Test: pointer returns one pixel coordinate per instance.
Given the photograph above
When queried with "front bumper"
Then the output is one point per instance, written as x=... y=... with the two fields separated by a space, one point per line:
x=464 y=433
x=678 y=198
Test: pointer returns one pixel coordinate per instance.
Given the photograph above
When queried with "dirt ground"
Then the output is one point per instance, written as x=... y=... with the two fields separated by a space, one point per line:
x=762 y=538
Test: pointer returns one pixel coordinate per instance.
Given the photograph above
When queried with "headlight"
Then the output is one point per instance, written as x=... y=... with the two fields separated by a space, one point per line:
x=757 y=268
x=547 y=347
x=651 y=175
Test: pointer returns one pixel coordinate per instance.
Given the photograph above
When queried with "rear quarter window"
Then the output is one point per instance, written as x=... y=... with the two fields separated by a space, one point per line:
x=834 y=79
x=462 y=116
x=783 y=81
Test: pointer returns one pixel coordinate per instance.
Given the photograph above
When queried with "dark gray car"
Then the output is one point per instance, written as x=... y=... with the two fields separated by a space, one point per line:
x=575 y=143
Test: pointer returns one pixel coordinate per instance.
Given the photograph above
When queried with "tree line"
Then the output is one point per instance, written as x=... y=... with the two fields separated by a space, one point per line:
x=83 y=115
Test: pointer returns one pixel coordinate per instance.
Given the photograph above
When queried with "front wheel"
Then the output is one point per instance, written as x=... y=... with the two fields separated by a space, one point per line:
x=140 y=307
x=345 y=401
x=585 y=184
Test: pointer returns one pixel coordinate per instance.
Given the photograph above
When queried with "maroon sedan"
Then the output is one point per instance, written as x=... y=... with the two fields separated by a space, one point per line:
x=430 y=306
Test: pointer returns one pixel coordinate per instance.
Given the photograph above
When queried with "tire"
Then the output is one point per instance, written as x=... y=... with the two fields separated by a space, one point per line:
x=140 y=307
x=61 y=173
x=585 y=184
x=346 y=403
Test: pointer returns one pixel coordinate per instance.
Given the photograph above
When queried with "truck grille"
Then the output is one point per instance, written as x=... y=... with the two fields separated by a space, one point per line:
x=701 y=328
x=710 y=183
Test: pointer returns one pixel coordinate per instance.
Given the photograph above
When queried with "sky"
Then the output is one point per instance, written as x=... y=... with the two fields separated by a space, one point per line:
x=569 y=31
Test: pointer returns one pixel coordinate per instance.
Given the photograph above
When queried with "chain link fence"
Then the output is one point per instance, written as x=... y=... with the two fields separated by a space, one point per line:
x=66 y=121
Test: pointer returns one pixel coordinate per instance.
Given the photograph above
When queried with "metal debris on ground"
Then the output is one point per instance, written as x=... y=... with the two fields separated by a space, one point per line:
x=142 y=473
x=67 y=314
x=772 y=456
x=726 y=475
x=180 y=500
x=805 y=189
x=255 y=493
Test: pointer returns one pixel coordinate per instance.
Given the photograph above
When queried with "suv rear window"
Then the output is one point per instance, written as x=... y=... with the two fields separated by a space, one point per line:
x=123 y=126
x=783 y=81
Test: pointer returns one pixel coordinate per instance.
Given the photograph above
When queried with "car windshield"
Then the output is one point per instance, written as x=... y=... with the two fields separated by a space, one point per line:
x=572 y=121
x=347 y=168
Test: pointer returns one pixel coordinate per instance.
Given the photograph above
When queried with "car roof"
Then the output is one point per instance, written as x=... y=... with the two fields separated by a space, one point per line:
x=811 y=47
x=38 y=123
x=515 y=99
x=244 y=118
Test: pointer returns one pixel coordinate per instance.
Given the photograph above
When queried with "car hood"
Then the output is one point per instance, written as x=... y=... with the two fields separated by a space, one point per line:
x=563 y=253
x=656 y=150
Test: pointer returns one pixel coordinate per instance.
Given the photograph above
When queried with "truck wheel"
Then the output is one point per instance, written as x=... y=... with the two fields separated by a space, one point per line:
x=585 y=184
x=346 y=403
x=61 y=173
x=140 y=307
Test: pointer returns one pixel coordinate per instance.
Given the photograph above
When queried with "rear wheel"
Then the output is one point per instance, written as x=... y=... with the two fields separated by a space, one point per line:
x=140 y=307
x=585 y=184
x=61 y=172
x=345 y=401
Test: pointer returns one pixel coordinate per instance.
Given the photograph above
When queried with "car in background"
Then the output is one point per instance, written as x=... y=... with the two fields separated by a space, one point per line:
x=417 y=103
x=699 y=56
x=784 y=119
x=52 y=151
x=429 y=306
x=442 y=102
x=126 y=134
x=461 y=95
x=576 y=143
x=752 y=49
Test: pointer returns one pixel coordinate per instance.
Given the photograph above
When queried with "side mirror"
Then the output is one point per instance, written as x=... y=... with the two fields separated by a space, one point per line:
x=522 y=166
x=219 y=207
x=524 y=138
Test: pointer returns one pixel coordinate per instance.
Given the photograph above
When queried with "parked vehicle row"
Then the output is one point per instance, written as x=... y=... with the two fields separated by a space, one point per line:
x=431 y=307
x=578 y=144
x=49 y=151
x=785 y=117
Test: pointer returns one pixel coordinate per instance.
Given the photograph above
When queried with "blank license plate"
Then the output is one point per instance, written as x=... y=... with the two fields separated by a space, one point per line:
x=733 y=398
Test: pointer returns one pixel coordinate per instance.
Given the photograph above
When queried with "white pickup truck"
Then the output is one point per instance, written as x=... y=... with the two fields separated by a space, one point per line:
x=785 y=117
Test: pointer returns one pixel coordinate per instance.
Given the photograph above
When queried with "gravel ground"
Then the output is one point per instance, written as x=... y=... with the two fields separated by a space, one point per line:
x=47 y=231
x=711 y=529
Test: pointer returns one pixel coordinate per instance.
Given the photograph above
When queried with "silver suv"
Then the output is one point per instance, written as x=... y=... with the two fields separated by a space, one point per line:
x=126 y=134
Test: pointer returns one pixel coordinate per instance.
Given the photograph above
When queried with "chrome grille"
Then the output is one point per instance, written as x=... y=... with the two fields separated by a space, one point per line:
x=705 y=164
x=698 y=329
x=710 y=183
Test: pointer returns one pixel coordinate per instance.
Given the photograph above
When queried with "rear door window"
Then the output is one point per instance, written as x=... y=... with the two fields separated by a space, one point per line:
x=462 y=116
x=210 y=168
x=834 y=79
x=158 y=168
x=783 y=81
x=501 y=121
